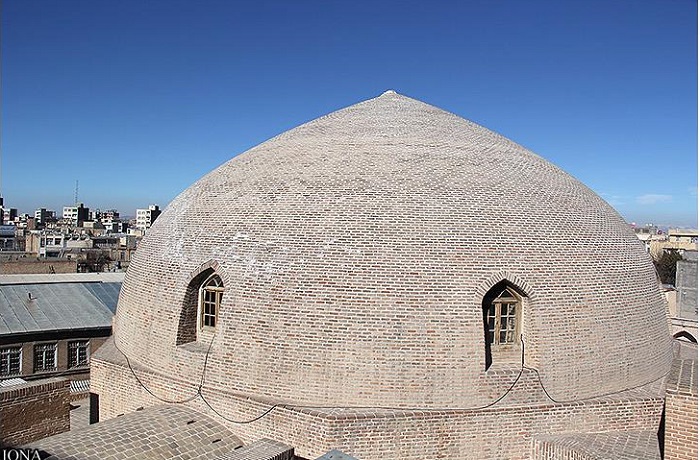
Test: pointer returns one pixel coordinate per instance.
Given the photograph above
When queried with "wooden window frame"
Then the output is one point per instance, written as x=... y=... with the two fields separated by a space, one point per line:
x=496 y=334
x=210 y=293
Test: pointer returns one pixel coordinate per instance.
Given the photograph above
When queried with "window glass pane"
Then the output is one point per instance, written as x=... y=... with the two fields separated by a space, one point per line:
x=501 y=319
x=10 y=361
x=45 y=357
x=211 y=293
x=78 y=354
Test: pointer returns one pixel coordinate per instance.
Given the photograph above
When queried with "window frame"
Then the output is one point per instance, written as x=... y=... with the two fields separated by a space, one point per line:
x=6 y=361
x=498 y=330
x=45 y=349
x=74 y=347
x=213 y=285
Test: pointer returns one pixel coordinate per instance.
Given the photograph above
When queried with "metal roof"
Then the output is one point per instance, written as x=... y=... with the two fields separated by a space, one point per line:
x=11 y=382
x=40 y=307
x=79 y=386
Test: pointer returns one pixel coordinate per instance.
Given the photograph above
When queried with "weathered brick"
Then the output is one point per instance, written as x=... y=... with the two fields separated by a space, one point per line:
x=355 y=252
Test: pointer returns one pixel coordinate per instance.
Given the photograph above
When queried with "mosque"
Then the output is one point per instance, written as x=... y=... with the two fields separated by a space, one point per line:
x=396 y=282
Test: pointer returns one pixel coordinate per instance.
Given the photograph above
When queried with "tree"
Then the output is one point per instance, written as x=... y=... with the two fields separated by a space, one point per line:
x=666 y=266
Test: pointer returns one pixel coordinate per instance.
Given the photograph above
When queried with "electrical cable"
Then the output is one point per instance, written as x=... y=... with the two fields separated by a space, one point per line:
x=676 y=352
x=138 y=380
x=200 y=394
x=202 y=382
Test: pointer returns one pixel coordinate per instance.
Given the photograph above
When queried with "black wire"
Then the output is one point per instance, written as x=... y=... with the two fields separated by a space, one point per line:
x=133 y=372
x=389 y=408
x=557 y=401
x=240 y=422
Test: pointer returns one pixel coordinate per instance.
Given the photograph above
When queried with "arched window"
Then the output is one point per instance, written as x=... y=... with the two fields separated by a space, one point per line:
x=502 y=312
x=210 y=294
x=502 y=318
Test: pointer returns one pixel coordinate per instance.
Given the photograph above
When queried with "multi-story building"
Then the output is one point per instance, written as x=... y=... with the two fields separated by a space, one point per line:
x=44 y=216
x=9 y=215
x=109 y=215
x=683 y=235
x=111 y=221
x=76 y=215
x=146 y=217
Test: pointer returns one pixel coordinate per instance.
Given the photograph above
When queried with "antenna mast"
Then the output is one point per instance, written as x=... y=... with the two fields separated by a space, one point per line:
x=76 y=192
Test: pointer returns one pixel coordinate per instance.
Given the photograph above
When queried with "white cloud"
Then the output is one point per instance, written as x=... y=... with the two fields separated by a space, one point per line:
x=613 y=200
x=652 y=198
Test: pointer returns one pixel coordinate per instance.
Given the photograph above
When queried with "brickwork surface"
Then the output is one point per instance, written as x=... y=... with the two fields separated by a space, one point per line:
x=79 y=413
x=681 y=430
x=355 y=252
x=162 y=432
x=637 y=445
x=263 y=449
x=504 y=431
x=34 y=410
x=29 y=266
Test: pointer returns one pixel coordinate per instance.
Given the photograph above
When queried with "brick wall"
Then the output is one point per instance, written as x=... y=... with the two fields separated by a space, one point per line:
x=33 y=266
x=681 y=428
x=503 y=431
x=33 y=411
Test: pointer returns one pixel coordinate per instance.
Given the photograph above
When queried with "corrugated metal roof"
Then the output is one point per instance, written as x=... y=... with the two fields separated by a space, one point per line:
x=56 y=306
x=12 y=382
x=79 y=386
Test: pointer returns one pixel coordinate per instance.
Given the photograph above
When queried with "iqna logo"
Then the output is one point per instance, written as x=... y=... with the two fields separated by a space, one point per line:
x=21 y=454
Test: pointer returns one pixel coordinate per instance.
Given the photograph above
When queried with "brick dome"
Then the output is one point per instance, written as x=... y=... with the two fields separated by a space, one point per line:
x=358 y=253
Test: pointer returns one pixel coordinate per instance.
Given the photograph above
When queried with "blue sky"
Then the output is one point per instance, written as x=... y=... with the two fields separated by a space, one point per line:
x=138 y=99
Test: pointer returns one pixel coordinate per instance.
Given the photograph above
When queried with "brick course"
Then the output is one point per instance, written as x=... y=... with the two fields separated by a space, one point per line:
x=504 y=431
x=28 y=266
x=34 y=410
x=681 y=424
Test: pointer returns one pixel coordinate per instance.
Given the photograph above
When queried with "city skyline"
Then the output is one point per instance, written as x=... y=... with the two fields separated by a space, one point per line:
x=137 y=102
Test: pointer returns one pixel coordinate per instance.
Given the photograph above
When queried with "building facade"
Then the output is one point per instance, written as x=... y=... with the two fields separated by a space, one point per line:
x=52 y=324
x=146 y=217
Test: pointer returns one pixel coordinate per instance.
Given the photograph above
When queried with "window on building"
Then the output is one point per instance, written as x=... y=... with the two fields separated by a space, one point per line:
x=10 y=361
x=502 y=307
x=502 y=318
x=78 y=354
x=45 y=357
x=210 y=300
